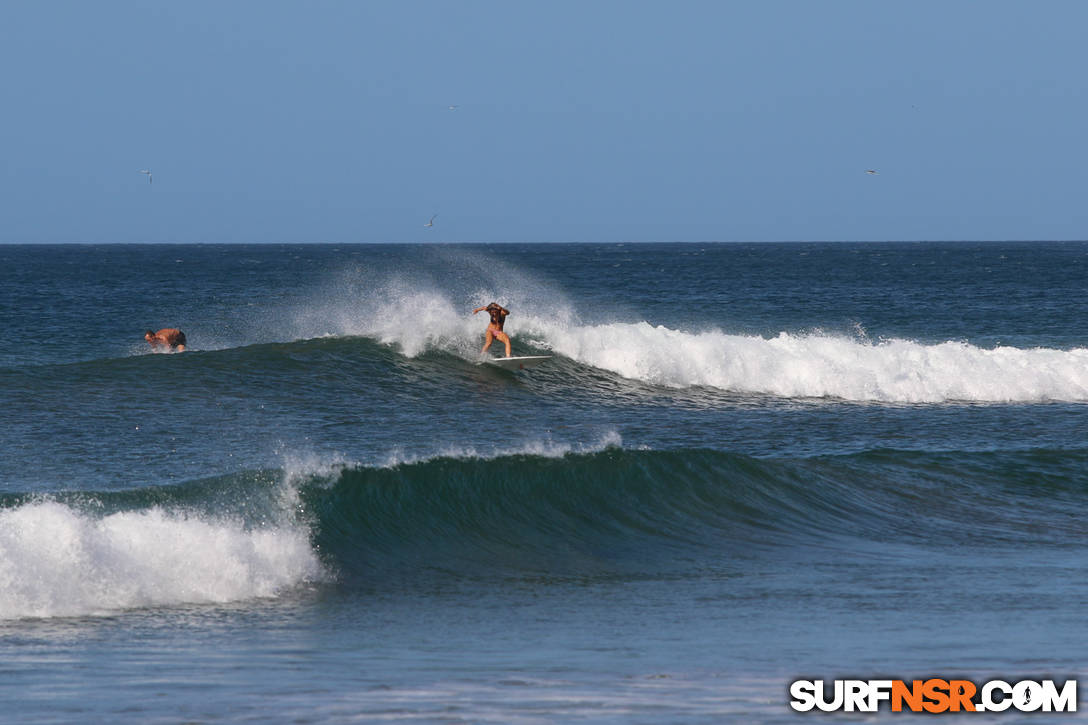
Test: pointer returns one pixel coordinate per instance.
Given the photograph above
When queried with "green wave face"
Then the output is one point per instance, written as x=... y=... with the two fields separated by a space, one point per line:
x=653 y=513
x=615 y=512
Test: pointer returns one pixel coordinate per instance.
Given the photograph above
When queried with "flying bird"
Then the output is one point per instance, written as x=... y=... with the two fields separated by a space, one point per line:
x=431 y=222
x=871 y=172
x=454 y=108
x=148 y=172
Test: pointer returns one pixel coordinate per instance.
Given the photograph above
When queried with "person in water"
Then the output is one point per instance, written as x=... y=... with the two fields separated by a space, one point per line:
x=170 y=337
x=494 y=329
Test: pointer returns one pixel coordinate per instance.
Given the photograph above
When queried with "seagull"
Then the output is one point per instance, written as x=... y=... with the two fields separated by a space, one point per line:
x=871 y=172
x=431 y=222
x=148 y=172
x=454 y=108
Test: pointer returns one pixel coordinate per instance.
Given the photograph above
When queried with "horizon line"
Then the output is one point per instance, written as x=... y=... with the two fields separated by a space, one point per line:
x=559 y=241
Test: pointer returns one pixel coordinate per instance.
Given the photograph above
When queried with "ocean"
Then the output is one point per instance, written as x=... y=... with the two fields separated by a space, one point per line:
x=745 y=465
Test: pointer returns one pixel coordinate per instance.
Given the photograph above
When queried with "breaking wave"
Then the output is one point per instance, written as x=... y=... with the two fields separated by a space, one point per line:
x=610 y=512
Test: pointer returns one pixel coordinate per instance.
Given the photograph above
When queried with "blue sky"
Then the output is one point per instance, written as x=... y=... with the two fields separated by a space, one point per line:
x=575 y=121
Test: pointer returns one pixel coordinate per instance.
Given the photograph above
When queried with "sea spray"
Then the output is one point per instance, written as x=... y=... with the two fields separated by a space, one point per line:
x=428 y=306
x=537 y=447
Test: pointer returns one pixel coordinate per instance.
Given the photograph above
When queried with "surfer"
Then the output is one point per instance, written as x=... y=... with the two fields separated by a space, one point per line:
x=167 y=337
x=494 y=329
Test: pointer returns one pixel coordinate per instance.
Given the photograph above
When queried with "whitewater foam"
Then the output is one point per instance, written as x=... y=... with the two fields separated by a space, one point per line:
x=57 y=561
x=821 y=365
x=815 y=365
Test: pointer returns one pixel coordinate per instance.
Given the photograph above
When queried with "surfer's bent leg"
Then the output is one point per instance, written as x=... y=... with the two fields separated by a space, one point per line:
x=488 y=339
x=505 y=341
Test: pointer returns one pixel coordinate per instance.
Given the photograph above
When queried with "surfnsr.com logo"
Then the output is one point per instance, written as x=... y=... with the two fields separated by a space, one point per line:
x=934 y=695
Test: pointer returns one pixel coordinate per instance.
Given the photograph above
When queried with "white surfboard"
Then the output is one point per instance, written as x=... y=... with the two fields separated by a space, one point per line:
x=518 y=363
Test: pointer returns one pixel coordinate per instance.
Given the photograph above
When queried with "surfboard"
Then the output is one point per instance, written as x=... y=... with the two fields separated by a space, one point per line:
x=518 y=363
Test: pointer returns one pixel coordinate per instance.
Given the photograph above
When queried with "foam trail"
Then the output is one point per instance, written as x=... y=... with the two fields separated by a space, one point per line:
x=56 y=561
x=819 y=365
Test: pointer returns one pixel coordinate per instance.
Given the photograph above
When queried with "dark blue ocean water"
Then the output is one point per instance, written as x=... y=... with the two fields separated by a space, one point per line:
x=745 y=464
